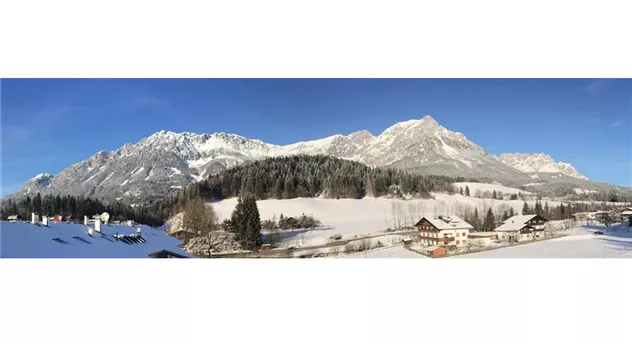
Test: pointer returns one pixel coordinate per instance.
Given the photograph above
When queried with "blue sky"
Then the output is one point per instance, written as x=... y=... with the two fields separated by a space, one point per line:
x=48 y=124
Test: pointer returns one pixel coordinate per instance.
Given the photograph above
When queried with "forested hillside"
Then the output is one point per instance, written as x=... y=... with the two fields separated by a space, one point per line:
x=314 y=176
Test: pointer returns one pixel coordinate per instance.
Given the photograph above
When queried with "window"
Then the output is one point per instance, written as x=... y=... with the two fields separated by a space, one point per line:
x=458 y=242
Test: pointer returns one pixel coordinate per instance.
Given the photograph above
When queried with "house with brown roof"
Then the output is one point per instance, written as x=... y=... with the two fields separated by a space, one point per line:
x=444 y=231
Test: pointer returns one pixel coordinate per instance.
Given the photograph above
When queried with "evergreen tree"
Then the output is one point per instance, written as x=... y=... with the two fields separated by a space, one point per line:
x=511 y=212
x=538 y=208
x=476 y=221
x=467 y=190
x=461 y=190
x=494 y=195
x=546 y=211
x=246 y=223
x=505 y=216
x=525 y=209
x=489 y=222
x=37 y=204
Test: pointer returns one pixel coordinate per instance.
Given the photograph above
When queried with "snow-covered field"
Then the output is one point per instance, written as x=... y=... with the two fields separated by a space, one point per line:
x=579 y=243
x=358 y=217
x=482 y=187
x=390 y=252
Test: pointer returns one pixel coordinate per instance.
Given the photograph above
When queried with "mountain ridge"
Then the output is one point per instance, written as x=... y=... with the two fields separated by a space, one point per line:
x=165 y=160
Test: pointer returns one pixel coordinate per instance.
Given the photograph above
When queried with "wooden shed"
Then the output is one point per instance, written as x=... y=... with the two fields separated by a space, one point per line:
x=436 y=251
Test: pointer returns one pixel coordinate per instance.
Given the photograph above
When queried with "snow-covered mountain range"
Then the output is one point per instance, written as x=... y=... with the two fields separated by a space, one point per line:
x=539 y=162
x=165 y=161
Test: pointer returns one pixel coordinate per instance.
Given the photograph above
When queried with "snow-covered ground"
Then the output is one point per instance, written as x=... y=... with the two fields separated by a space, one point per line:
x=579 y=243
x=359 y=217
x=482 y=187
x=389 y=252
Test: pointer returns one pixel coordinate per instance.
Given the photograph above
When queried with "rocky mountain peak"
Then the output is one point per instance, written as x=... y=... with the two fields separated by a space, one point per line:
x=539 y=162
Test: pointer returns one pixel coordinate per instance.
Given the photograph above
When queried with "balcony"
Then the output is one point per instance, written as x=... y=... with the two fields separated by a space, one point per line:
x=443 y=240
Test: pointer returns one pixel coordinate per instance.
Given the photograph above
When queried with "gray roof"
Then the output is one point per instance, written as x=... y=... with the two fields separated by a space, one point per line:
x=448 y=222
x=515 y=223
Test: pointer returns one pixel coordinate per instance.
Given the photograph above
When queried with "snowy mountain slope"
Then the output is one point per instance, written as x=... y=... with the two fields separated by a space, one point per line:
x=166 y=161
x=539 y=162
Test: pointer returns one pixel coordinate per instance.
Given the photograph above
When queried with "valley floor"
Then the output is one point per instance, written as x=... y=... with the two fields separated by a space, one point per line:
x=354 y=218
x=579 y=243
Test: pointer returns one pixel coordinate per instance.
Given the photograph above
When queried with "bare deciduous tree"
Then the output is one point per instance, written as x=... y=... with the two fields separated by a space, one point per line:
x=568 y=224
x=549 y=229
x=201 y=219
x=411 y=213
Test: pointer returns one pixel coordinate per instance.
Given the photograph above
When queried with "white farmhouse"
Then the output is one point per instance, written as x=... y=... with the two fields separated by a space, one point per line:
x=449 y=231
x=522 y=227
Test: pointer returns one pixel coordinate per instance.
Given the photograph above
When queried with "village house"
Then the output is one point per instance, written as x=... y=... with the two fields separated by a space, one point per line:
x=625 y=214
x=183 y=235
x=580 y=216
x=602 y=215
x=522 y=227
x=482 y=238
x=14 y=218
x=448 y=231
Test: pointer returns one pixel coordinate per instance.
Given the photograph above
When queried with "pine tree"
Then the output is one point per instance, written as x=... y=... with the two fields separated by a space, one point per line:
x=494 y=195
x=461 y=190
x=489 y=222
x=505 y=216
x=253 y=224
x=476 y=221
x=538 y=208
x=511 y=212
x=246 y=223
x=37 y=204
x=547 y=212
x=525 y=209
x=467 y=190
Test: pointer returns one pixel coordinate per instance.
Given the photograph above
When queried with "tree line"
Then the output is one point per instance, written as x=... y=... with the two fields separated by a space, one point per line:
x=491 y=219
x=76 y=207
x=313 y=176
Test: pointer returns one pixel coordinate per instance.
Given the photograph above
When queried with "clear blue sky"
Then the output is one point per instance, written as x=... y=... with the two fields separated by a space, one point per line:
x=51 y=123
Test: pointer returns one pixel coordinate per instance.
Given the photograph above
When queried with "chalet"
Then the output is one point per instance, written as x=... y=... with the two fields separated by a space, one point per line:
x=602 y=215
x=442 y=231
x=522 y=227
x=14 y=218
x=580 y=216
x=625 y=214
x=482 y=238
x=183 y=235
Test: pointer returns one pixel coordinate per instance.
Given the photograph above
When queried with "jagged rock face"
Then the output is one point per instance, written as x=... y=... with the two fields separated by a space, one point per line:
x=539 y=162
x=166 y=161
